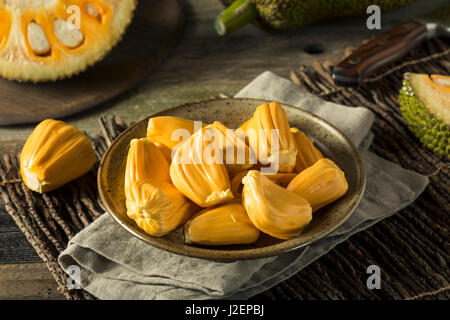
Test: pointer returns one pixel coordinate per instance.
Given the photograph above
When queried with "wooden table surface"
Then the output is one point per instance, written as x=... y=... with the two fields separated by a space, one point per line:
x=201 y=66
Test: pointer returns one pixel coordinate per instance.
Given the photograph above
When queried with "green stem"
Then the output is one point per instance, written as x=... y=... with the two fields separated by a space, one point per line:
x=237 y=15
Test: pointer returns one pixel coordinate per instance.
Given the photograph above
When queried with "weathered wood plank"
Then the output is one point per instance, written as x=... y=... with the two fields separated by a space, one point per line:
x=14 y=248
x=27 y=281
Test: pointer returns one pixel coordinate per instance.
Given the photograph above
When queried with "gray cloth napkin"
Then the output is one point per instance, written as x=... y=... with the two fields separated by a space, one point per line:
x=115 y=265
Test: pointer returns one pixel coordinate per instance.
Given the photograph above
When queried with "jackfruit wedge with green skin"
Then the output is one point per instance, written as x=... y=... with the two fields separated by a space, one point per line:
x=425 y=105
x=282 y=15
x=46 y=40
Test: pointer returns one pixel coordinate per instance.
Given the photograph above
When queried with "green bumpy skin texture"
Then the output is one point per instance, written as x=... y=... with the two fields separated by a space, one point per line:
x=283 y=15
x=432 y=132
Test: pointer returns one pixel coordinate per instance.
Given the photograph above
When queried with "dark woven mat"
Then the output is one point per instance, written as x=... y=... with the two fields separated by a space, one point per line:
x=411 y=248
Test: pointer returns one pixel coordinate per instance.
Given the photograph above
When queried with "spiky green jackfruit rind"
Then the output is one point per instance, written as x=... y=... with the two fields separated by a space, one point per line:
x=288 y=14
x=432 y=132
x=283 y=15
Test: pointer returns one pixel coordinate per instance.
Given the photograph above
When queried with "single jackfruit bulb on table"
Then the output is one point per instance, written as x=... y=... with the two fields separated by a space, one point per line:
x=171 y=131
x=268 y=135
x=425 y=105
x=283 y=15
x=237 y=156
x=198 y=171
x=157 y=207
x=273 y=209
x=152 y=201
x=225 y=224
x=320 y=184
x=43 y=40
x=54 y=154
x=307 y=153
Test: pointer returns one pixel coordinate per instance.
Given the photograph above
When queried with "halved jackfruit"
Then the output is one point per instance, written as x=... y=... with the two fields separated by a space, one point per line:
x=424 y=102
x=222 y=225
x=171 y=131
x=54 y=154
x=307 y=153
x=197 y=169
x=44 y=40
x=273 y=209
x=268 y=135
x=320 y=184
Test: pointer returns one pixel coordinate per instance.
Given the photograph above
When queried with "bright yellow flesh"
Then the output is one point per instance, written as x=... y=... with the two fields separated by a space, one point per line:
x=320 y=184
x=268 y=135
x=171 y=131
x=198 y=174
x=54 y=154
x=222 y=225
x=152 y=201
x=157 y=207
x=307 y=153
x=273 y=209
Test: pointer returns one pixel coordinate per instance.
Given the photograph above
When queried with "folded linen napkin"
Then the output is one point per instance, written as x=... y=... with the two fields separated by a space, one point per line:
x=115 y=265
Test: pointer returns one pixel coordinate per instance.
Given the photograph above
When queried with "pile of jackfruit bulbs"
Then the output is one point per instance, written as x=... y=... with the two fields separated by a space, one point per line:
x=231 y=192
x=223 y=186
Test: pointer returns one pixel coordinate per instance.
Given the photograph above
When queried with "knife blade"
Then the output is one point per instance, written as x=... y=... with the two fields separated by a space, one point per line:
x=390 y=46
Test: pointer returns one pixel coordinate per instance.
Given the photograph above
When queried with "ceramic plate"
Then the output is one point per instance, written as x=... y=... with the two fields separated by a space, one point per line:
x=233 y=112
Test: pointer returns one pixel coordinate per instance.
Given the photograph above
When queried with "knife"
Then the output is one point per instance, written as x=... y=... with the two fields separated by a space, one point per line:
x=390 y=46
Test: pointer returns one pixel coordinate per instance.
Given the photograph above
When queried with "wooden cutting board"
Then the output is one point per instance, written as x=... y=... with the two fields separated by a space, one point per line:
x=148 y=40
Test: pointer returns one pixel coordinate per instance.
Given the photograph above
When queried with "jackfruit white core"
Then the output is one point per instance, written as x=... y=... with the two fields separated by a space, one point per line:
x=442 y=82
x=33 y=182
x=71 y=38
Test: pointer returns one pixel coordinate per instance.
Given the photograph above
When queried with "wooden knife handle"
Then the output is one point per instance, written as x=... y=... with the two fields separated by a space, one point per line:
x=385 y=48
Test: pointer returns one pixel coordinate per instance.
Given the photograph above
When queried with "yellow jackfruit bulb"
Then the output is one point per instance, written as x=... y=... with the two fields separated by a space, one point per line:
x=320 y=184
x=196 y=170
x=307 y=153
x=269 y=136
x=49 y=40
x=273 y=209
x=237 y=156
x=170 y=131
x=236 y=183
x=54 y=154
x=222 y=225
x=145 y=161
x=282 y=179
x=157 y=207
x=165 y=151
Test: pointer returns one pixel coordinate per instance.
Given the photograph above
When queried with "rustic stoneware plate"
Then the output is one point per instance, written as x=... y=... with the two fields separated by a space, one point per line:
x=233 y=112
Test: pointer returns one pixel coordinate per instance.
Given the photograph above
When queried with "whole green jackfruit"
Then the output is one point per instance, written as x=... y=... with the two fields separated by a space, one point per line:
x=425 y=105
x=282 y=15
